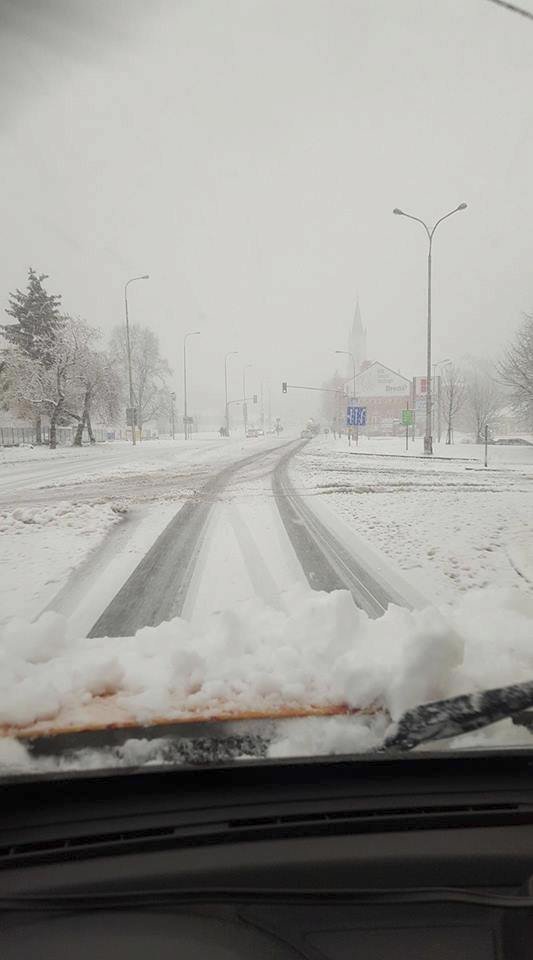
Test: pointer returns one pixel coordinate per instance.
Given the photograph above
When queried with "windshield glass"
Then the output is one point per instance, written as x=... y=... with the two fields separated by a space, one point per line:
x=266 y=378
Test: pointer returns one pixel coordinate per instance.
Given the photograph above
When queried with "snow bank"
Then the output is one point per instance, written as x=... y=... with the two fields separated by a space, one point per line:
x=85 y=518
x=318 y=649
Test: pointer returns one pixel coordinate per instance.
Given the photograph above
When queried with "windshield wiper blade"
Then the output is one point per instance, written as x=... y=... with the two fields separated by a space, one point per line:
x=449 y=718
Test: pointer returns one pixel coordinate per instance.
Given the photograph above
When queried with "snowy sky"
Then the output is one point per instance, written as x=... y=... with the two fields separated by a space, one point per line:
x=248 y=155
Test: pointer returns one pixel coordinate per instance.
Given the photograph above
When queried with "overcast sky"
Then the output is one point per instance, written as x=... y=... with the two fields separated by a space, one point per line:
x=247 y=154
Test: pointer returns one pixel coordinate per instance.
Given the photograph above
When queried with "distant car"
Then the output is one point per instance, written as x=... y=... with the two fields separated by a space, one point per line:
x=252 y=432
x=514 y=442
x=306 y=435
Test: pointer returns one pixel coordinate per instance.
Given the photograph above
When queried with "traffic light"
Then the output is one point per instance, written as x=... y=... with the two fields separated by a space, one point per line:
x=284 y=387
x=255 y=398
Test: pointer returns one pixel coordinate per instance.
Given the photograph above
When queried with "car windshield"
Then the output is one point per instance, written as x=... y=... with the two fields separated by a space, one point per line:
x=266 y=379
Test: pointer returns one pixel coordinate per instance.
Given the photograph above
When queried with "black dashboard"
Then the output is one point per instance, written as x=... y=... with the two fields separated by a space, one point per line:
x=421 y=857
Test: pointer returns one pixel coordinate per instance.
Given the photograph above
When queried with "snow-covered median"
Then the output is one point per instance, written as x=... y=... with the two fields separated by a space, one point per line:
x=450 y=525
x=40 y=546
x=318 y=649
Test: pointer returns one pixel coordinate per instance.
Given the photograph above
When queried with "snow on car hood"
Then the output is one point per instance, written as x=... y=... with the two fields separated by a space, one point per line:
x=313 y=649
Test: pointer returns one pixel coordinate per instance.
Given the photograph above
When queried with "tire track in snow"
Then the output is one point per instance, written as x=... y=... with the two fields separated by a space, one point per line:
x=327 y=564
x=157 y=589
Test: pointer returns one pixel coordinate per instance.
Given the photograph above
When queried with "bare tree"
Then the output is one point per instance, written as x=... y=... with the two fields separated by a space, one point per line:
x=96 y=384
x=150 y=371
x=452 y=397
x=484 y=397
x=516 y=370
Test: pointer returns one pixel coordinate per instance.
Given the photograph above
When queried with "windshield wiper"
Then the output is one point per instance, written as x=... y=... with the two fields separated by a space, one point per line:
x=449 y=718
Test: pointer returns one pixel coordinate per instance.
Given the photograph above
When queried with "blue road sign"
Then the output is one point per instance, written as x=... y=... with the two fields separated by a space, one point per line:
x=356 y=417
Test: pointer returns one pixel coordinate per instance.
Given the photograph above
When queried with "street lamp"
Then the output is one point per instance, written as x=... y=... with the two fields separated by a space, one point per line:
x=348 y=353
x=439 y=363
x=232 y=353
x=145 y=276
x=192 y=333
x=428 y=440
x=244 y=405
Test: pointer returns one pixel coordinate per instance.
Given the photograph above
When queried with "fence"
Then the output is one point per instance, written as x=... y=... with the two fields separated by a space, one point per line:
x=27 y=436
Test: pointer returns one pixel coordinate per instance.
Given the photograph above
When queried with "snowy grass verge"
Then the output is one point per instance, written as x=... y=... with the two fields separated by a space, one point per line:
x=449 y=526
x=318 y=649
x=42 y=545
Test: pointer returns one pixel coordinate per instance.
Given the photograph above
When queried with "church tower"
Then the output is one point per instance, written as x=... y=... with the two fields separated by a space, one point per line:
x=357 y=339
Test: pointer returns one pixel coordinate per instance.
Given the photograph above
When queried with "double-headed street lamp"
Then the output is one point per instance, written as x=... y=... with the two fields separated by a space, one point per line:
x=192 y=333
x=145 y=276
x=428 y=439
x=232 y=353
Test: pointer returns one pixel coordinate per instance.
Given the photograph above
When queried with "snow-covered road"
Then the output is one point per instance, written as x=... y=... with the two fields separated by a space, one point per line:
x=246 y=535
x=74 y=523
x=228 y=619
x=29 y=476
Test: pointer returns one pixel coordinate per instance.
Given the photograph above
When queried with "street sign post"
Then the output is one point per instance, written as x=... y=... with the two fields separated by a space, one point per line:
x=355 y=417
x=407 y=420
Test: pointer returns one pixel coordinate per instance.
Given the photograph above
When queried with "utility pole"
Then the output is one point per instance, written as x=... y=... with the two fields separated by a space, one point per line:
x=428 y=439
x=192 y=333
x=133 y=412
x=244 y=404
x=232 y=353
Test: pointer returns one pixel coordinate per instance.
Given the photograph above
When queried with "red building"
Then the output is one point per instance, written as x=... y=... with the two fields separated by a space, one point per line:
x=384 y=393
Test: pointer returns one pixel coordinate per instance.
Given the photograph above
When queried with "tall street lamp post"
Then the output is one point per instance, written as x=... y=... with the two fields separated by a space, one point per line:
x=232 y=353
x=428 y=439
x=244 y=404
x=192 y=333
x=145 y=276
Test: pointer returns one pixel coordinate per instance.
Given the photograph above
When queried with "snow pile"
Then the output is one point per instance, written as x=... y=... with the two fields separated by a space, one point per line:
x=320 y=649
x=83 y=517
